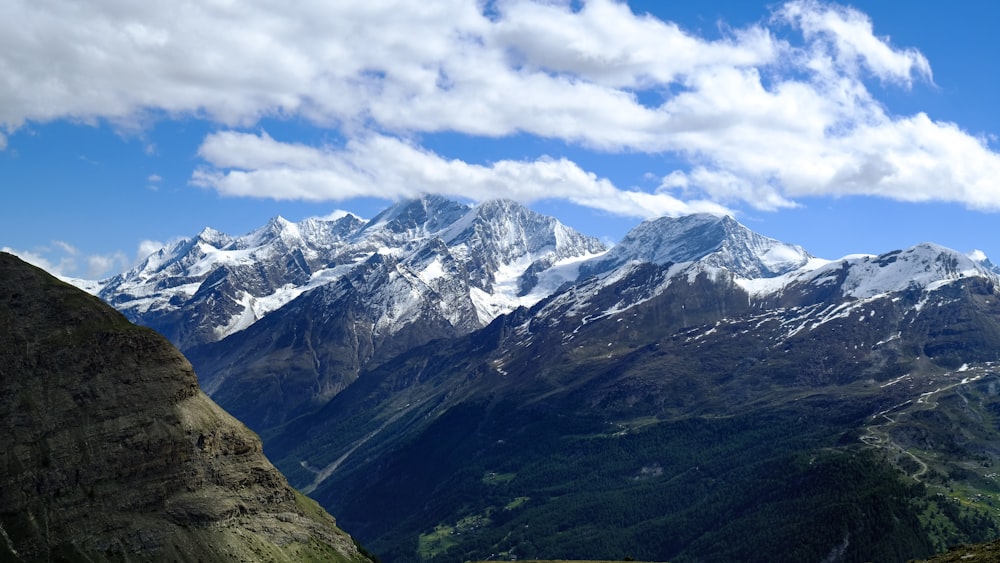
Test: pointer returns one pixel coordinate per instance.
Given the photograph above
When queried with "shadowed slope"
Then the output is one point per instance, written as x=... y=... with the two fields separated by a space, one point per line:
x=109 y=450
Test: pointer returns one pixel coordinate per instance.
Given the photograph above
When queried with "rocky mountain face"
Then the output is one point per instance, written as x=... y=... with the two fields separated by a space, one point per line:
x=468 y=263
x=110 y=452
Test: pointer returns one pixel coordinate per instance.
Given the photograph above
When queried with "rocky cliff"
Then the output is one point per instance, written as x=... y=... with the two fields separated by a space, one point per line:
x=110 y=451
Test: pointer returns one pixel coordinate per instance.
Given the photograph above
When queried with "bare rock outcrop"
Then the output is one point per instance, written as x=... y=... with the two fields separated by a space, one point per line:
x=109 y=451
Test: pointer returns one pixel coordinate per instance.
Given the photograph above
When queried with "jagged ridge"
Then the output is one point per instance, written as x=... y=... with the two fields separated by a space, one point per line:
x=497 y=254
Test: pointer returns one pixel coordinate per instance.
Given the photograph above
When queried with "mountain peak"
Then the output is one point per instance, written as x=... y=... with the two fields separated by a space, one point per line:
x=279 y=222
x=715 y=240
x=218 y=239
x=339 y=215
x=501 y=205
x=277 y=227
x=922 y=266
x=417 y=217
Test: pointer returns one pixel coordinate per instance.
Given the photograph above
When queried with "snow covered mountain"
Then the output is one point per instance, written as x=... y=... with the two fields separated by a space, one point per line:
x=687 y=324
x=210 y=286
x=710 y=240
x=286 y=316
x=666 y=251
x=924 y=267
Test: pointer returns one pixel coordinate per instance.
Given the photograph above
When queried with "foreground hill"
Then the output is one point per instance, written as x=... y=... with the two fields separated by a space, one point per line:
x=110 y=452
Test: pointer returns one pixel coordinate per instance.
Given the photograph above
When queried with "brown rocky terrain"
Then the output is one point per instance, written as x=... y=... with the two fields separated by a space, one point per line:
x=109 y=451
x=979 y=553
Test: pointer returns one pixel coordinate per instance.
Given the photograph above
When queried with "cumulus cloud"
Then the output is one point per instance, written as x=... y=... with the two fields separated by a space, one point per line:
x=65 y=247
x=63 y=259
x=761 y=118
x=147 y=247
x=847 y=38
x=978 y=255
x=101 y=265
x=43 y=260
x=256 y=165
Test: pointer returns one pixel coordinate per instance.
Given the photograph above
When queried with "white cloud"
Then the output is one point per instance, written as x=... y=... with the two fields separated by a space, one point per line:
x=604 y=42
x=38 y=258
x=63 y=259
x=147 y=247
x=847 y=36
x=100 y=266
x=760 y=119
x=249 y=165
x=66 y=247
x=336 y=215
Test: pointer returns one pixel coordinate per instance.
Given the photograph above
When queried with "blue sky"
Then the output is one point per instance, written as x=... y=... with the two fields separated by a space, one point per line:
x=844 y=128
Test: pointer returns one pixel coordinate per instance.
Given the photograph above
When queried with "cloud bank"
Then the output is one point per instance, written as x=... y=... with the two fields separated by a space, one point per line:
x=60 y=257
x=763 y=116
x=251 y=165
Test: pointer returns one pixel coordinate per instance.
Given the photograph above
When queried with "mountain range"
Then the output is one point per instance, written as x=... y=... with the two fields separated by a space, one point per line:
x=461 y=382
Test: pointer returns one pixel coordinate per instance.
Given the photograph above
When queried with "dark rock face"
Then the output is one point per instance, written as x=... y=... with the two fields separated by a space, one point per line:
x=109 y=450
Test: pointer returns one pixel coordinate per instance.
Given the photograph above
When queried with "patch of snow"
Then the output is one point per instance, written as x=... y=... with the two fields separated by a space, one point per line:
x=894 y=381
x=484 y=304
x=896 y=336
x=241 y=320
x=760 y=287
x=433 y=271
x=780 y=256
x=563 y=271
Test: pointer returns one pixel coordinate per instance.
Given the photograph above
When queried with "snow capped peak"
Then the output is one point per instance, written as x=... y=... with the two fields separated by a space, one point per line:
x=218 y=239
x=337 y=215
x=277 y=227
x=923 y=267
x=713 y=240
x=494 y=257
x=416 y=217
x=502 y=207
